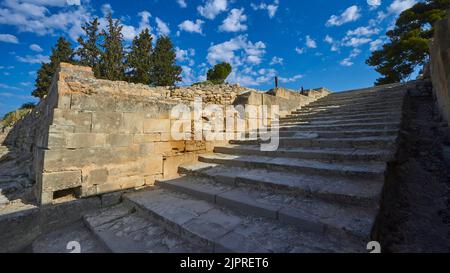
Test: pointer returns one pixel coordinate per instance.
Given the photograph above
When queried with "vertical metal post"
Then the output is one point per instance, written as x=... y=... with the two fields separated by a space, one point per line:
x=276 y=82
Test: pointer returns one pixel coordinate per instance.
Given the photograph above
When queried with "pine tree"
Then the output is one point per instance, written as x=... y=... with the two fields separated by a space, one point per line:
x=165 y=72
x=62 y=52
x=88 y=50
x=112 y=66
x=139 y=59
x=407 y=47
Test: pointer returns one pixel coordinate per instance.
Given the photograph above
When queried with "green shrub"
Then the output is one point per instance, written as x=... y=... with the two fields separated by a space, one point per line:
x=219 y=73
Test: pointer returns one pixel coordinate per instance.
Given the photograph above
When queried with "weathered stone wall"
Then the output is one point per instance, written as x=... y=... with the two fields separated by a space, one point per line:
x=107 y=136
x=440 y=66
x=91 y=136
x=287 y=100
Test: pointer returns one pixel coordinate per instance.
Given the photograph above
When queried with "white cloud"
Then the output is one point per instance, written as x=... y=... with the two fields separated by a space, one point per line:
x=353 y=54
x=36 y=59
x=8 y=38
x=375 y=45
x=106 y=9
x=290 y=79
x=328 y=39
x=212 y=8
x=363 y=31
x=6 y=86
x=349 y=15
x=346 y=62
x=129 y=32
x=355 y=42
x=374 y=3
x=248 y=52
x=398 y=6
x=235 y=21
x=162 y=27
x=192 y=27
x=299 y=50
x=310 y=43
x=36 y=48
x=185 y=55
x=271 y=8
x=276 y=60
x=34 y=16
x=182 y=3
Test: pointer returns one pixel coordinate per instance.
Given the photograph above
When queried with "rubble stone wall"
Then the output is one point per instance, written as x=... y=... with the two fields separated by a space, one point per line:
x=440 y=66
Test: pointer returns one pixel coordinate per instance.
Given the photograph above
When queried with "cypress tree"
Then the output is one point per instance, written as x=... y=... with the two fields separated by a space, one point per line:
x=139 y=59
x=112 y=65
x=88 y=50
x=62 y=52
x=165 y=72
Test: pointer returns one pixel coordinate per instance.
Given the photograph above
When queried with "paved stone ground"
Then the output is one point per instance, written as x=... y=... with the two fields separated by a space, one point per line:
x=415 y=216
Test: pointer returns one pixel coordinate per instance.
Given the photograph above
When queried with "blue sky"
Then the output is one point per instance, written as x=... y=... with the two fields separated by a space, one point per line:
x=305 y=43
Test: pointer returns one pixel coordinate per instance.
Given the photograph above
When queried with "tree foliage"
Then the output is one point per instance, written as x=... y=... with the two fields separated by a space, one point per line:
x=139 y=59
x=88 y=50
x=112 y=66
x=165 y=72
x=408 y=42
x=219 y=73
x=62 y=52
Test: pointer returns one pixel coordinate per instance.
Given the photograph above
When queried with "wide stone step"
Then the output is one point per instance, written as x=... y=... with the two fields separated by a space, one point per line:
x=341 y=190
x=312 y=141
x=349 y=109
x=329 y=154
x=357 y=102
x=341 y=127
x=372 y=170
x=308 y=213
x=329 y=101
x=342 y=112
x=338 y=134
x=122 y=229
x=333 y=120
x=218 y=229
x=349 y=116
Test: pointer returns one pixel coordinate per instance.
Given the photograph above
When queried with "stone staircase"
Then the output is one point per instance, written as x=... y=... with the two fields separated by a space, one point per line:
x=319 y=192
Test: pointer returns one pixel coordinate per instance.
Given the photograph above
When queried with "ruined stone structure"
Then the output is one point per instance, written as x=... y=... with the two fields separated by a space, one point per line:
x=440 y=66
x=95 y=163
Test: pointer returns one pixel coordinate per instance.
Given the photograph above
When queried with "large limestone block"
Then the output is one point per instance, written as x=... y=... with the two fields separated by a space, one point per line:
x=133 y=123
x=152 y=165
x=85 y=140
x=64 y=159
x=170 y=146
x=156 y=125
x=81 y=121
x=106 y=122
x=93 y=102
x=171 y=163
x=146 y=138
x=61 y=180
x=129 y=104
x=119 y=140
x=94 y=176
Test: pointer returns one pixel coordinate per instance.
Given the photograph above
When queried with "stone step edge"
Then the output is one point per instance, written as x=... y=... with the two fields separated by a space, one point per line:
x=383 y=154
x=240 y=204
x=327 y=196
x=294 y=169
